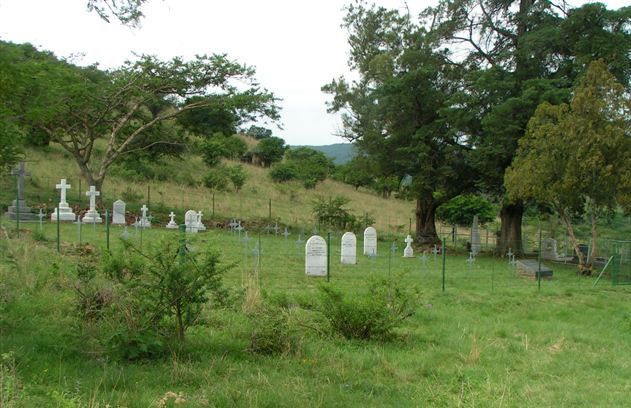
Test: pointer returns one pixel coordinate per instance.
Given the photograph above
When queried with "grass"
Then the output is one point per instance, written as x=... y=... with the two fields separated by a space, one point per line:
x=491 y=339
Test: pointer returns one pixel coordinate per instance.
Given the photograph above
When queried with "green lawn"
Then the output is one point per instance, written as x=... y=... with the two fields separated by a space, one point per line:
x=491 y=339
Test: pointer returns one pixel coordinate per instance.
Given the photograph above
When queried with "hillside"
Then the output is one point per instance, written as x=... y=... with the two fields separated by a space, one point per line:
x=181 y=189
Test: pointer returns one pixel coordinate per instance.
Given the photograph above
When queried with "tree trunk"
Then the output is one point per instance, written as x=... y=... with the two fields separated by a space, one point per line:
x=97 y=182
x=510 y=231
x=426 y=220
x=594 y=248
x=584 y=267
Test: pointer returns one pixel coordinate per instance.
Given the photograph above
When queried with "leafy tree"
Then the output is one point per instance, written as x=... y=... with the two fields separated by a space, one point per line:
x=217 y=178
x=282 y=172
x=126 y=11
x=210 y=120
x=213 y=150
x=392 y=111
x=518 y=54
x=577 y=157
x=357 y=172
x=461 y=209
x=258 y=132
x=76 y=106
x=271 y=150
x=237 y=176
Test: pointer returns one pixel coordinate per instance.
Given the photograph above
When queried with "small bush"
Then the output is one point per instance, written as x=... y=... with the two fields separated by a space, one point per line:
x=331 y=212
x=213 y=150
x=217 y=178
x=237 y=176
x=283 y=172
x=273 y=332
x=374 y=314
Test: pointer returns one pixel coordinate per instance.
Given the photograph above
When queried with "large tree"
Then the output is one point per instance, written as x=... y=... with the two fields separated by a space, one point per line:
x=518 y=54
x=99 y=116
x=577 y=157
x=392 y=111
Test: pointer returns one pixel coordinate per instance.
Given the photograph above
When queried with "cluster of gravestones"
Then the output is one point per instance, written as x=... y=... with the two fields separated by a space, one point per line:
x=316 y=251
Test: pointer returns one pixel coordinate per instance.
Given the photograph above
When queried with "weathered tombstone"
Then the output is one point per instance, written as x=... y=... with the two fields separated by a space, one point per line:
x=19 y=204
x=315 y=256
x=172 y=224
x=408 y=252
x=118 y=213
x=190 y=219
x=92 y=216
x=144 y=222
x=200 y=225
x=549 y=249
x=475 y=236
x=349 y=248
x=65 y=212
x=370 y=241
x=530 y=268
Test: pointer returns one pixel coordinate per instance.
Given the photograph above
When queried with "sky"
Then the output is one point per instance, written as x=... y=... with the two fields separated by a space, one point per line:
x=296 y=46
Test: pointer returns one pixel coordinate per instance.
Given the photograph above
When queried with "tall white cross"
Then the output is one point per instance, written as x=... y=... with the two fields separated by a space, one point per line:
x=92 y=194
x=144 y=210
x=63 y=187
x=172 y=215
x=199 y=217
x=409 y=240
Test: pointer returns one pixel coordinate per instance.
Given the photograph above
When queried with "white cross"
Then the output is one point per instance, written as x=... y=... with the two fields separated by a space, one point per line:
x=286 y=233
x=93 y=194
x=435 y=251
x=144 y=210
x=63 y=187
x=172 y=215
x=199 y=216
x=409 y=240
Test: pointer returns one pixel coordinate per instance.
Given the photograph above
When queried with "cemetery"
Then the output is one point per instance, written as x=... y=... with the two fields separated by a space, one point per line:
x=469 y=244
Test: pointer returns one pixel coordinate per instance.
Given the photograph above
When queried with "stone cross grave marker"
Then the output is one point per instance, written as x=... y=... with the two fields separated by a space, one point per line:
x=315 y=256
x=65 y=212
x=19 y=204
x=172 y=224
x=408 y=252
x=475 y=236
x=370 y=241
x=190 y=219
x=144 y=222
x=200 y=225
x=41 y=216
x=118 y=213
x=92 y=216
x=349 y=248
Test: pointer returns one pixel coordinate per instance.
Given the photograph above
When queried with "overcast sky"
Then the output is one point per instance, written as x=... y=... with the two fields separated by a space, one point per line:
x=296 y=46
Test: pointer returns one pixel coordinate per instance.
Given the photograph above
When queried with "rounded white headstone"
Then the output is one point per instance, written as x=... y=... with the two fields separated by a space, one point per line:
x=370 y=241
x=349 y=249
x=315 y=256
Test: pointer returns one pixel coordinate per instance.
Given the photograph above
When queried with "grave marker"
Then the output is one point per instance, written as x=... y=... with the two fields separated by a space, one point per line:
x=92 y=216
x=118 y=213
x=190 y=219
x=408 y=252
x=172 y=224
x=19 y=210
x=370 y=241
x=63 y=212
x=349 y=249
x=315 y=256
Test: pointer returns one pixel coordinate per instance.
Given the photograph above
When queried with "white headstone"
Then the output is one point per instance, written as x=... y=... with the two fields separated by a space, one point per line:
x=118 y=213
x=65 y=212
x=315 y=256
x=172 y=224
x=200 y=225
x=370 y=241
x=190 y=219
x=92 y=216
x=475 y=236
x=349 y=248
x=408 y=252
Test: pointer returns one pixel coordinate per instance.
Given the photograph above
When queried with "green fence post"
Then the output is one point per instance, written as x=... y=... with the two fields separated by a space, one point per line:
x=107 y=229
x=58 y=231
x=539 y=261
x=444 y=259
x=328 y=257
x=17 y=211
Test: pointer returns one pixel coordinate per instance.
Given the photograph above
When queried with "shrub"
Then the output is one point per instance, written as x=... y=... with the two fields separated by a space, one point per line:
x=461 y=209
x=331 y=212
x=283 y=172
x=273 y=332
x=217 y=178
x=237 y=176
x=213 y=150
x=374 y=314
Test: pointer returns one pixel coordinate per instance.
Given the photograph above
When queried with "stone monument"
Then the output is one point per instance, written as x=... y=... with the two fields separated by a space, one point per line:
x=172 y=224
x=118 y=213
x=315 y=256
x=370 y=241
x=349 y=249
x=65 y=212
x=408 y=252
x=92 y=216
x=19 y=204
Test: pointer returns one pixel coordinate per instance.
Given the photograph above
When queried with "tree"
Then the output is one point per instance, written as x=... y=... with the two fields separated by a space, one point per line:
x=577 y=157
x=126 y=11
x=212 y=119
x=392 y=112
x=258 y=132
x=271 y=150
x=357 y=172
x=519 y=54
x=78 y=106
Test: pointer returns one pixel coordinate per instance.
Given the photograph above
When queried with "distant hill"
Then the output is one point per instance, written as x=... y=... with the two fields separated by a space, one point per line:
x=340 y=152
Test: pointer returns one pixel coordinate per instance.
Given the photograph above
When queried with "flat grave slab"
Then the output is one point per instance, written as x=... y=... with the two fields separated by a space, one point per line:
x=530 y=268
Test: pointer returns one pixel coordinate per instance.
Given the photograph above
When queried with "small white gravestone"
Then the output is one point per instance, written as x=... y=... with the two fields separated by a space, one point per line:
x=370 y=241
x=144 y=222
x=65 y=212
x=475 y=236
x=92 y=216
x=349 y=248
x=199 y=225
x=408 y=252
x=315 y=256
x=190 y=219
x=118 y=213
x=172 y=224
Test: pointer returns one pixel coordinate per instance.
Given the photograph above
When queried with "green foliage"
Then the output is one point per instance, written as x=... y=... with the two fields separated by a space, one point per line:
x=11 y=394
x=258 y=132
x=273 y=331
x=126 y=11
x=209 y=120
x=271 y=150
x=217 y=178
x=235 y=147
x=10 y=146
x=165 y=289
x=373 y=314
x=461 y=209
x=213 y=150
x=331 y=212
x=237 y=176
x=282 y=172
x=356 y=172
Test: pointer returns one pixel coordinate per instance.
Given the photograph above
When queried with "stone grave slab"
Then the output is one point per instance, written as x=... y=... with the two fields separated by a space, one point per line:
x=370 y=241
x=530 y=268
x=118 y=213
x=315 y=256
x=349 y=249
